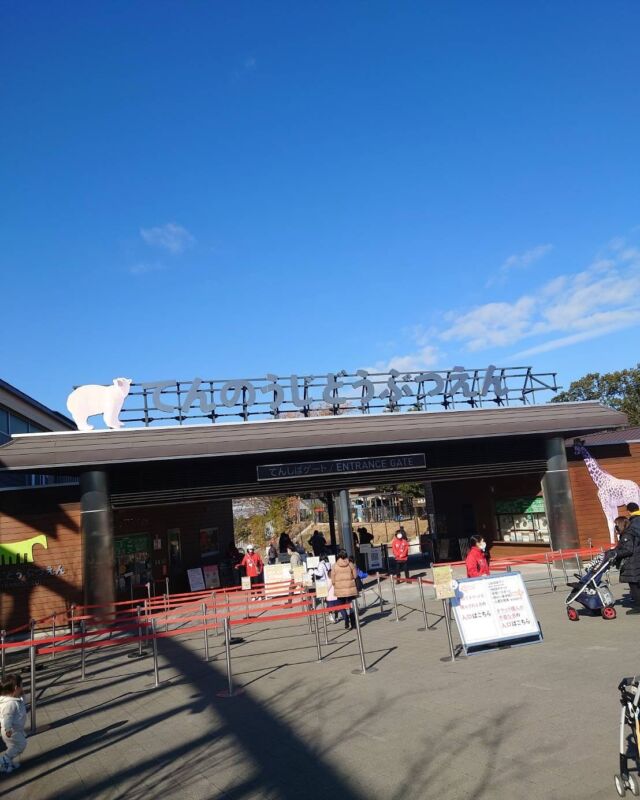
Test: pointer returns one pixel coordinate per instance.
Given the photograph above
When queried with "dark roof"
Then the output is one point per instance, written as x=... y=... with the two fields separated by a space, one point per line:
x=26 y=403
x=135 y=445
x=620 y=436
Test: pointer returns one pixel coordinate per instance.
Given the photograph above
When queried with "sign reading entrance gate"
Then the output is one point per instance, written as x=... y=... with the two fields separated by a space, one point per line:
x=340 y=466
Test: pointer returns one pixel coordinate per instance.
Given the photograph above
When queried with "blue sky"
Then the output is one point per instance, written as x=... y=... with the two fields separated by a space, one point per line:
x=228 y=189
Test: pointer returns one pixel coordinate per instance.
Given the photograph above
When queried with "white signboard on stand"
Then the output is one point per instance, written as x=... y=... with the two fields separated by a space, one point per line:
x=374 y=559
x=277 y=578
x=494 y=611
x=196 y=579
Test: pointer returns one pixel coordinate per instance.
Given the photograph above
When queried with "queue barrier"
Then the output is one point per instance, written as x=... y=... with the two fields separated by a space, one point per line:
x=147 y=631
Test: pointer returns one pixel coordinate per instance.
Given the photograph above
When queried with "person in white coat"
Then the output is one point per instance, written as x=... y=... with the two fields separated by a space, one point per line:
x=13 y=714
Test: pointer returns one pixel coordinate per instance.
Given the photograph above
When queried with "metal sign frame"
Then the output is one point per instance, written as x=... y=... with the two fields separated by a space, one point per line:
x=362 y=392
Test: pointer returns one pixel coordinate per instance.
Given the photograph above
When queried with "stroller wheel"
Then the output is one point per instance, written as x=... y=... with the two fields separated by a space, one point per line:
x=632 y=783
x=621 y=788
x=609 y=612
x=572 y=614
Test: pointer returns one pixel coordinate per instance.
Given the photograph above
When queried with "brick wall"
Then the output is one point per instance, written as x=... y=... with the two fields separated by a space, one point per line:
x=53 y=579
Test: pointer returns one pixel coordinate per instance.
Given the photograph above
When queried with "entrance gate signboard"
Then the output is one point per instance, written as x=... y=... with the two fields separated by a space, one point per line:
x=197 y=399
x=339 y=466
x=494 y=611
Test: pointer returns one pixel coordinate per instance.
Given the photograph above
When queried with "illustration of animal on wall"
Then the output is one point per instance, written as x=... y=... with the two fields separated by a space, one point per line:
x=21 y=552
x=87 y=401
x=612 y=492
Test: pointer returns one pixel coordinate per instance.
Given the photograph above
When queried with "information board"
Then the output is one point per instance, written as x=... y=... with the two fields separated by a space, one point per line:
x=196 y=580
x=276 y=579
x=493 y=611
x=245 y=583
x=373 y=558
x=443 y=582
x=211 y=576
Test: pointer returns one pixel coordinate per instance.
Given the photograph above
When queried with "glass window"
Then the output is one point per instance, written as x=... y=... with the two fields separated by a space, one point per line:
x=33 y=428
x=18 y=424
x=522 y=519
x=4 y=421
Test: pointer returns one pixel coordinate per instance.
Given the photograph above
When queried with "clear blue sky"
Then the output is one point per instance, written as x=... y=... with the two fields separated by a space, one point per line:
x=227 y=189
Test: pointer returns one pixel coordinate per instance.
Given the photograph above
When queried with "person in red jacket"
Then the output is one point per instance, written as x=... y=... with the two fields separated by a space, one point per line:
x=400 y=547
x=252 y=564
x=476 y=559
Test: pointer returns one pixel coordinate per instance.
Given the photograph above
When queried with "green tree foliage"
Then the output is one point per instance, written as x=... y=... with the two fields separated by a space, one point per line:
x=620 y=390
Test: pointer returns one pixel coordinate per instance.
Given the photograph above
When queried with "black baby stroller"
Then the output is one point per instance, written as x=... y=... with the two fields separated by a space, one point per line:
x=592 y=587
x=629 y=689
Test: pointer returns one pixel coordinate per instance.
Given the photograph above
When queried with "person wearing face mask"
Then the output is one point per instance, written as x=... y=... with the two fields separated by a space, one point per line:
x=476 y=560
x=400 y=547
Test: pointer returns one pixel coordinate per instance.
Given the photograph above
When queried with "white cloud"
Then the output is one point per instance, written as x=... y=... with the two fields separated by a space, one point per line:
x=519 y=261
x=424 y=358
x=171 y=236
x=571 y=308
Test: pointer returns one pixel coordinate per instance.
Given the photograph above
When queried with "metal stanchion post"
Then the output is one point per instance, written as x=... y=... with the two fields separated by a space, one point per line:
x=3 y=636
x=166 y=613
x=148 y=585
x=227 y=644
x=446 y=607
x=424 y=606
x=166 y=586
x=32 y=683
x=395 y=599
x=156 y=669
x=379 y=593
x=553 y=586
x=324 y=621
x=53 y=630
x=140 y=653
x=318 y=648
x=82 y=651
x=307 y=606
x=564 y=568
x=73 y=621
x=364 y=669
x=578 y=565
x=215 y=612
x=229 y=691
x=32 y=631
x=205 y=632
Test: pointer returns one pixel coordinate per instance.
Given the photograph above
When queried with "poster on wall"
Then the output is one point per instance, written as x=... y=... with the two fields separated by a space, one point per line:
x=196 y=580
x=494 y=610
x=209 y=545
x=211 y=576
x=374 y=559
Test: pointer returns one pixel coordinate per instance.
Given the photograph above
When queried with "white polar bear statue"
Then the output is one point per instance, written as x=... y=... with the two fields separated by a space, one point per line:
x=86 y=401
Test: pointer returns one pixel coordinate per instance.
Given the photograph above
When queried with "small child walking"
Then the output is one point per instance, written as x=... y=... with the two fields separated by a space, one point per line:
x=13 y=714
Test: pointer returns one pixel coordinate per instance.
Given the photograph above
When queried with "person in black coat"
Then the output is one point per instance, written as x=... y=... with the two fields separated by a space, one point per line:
x=629 y=550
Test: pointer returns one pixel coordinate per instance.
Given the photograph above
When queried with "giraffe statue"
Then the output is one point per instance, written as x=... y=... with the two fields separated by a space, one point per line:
x=612 y=492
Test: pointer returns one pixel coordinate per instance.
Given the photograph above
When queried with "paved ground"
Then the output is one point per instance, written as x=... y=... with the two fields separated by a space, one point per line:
x=538 y=721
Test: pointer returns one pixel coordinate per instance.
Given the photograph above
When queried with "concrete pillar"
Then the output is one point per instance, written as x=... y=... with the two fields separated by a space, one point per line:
x=344 y=513
x=97 y=537
x=331 y=511
x=558 y=500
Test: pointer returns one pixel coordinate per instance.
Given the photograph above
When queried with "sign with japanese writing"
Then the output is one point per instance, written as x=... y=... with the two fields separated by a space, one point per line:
x=196 y=579
x=274 y=472
x=128 y=545
x=211 y=576
x=494 y=610
x=443 y=582
x=199 y=399
x=276 y=578
x=374 y=559
x=245 y=583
